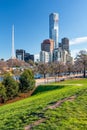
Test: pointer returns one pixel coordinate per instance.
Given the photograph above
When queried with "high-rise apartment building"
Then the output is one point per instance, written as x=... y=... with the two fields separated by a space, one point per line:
x=45 y=57
x=47 y=45
x=65 y=44
x=53 y=28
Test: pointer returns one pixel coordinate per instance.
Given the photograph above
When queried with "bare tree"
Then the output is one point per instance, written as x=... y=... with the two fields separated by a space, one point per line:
x=77 y=67
x=43 y=68
x=56 y=68
x=81 y=59
x=70 y=67
x=3 y=66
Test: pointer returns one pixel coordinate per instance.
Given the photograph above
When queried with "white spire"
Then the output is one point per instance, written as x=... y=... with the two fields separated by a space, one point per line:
x=13 y=50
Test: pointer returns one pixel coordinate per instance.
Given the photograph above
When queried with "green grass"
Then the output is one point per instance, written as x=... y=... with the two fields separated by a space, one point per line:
x=69 y=116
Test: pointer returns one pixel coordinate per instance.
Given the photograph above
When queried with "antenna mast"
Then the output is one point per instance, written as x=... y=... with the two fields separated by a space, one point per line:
x=13 y=50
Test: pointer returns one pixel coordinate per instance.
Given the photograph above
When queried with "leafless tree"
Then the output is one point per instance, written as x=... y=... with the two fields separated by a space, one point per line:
x=3 y=66
x=43 y=68
x=70 y=67
x=81 y=59
x=56 y=68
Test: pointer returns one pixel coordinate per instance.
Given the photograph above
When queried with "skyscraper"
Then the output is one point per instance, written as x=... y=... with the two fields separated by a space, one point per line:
x=47 y=45
x=53 y=28
x=65 y=44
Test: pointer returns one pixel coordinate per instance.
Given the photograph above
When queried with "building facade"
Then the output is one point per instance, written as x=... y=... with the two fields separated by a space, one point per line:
x=47 y=47
x=22 y=55
x=62 y=53
x=53 y=28
x=65 y=44
x=44 y=57
x=37 y=58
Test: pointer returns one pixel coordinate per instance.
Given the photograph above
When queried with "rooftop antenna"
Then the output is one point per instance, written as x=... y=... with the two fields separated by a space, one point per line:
x=13 y=50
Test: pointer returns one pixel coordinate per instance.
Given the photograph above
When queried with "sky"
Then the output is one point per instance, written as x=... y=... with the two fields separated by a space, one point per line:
x=31 y=24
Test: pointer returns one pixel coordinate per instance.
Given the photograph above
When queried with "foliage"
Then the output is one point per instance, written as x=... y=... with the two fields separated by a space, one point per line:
x=56 y=68
x=43 y=68
x=70 y=67
x=2 y=93
x=70 y=115
x=27 y=81
x=11 y=86
x=81 y=59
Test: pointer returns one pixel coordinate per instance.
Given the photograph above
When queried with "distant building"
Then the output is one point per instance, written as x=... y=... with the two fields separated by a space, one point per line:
x=62 y=55
x=58 y=54
x=50 y=49
x=28 y=57
x=37 y=58
x=70 y=59
x=22 y=55
x=47 y=45
x=53 y=28
x=65 y=44
x=45 y=57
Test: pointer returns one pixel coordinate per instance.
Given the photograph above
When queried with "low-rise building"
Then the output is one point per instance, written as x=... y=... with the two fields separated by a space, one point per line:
x=22 y=55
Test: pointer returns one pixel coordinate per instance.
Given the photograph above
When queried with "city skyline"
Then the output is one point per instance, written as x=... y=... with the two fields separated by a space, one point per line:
x=32 y=24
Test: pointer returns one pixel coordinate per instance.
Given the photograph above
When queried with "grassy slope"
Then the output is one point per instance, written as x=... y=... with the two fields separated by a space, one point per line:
x=69 y=116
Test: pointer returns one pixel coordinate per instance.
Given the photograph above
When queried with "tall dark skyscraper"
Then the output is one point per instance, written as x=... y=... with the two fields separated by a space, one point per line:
x=53 y=28
x=65 y=44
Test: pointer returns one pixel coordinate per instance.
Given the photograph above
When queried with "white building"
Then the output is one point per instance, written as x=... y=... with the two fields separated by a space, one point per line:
x=37 y=58
x=46 y=57
x=62 y=55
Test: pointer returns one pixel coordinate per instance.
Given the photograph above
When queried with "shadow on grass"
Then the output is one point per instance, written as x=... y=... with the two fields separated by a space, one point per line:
x=45 y=88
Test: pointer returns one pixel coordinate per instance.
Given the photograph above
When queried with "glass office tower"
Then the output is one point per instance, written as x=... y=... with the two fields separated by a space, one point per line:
x=53 y=28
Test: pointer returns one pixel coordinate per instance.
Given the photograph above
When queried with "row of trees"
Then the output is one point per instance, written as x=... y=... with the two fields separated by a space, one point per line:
x=58 y=68
x=10 y=88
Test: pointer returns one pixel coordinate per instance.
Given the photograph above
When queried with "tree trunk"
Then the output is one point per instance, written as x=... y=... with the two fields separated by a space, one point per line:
x=44 y=76
x=84 y=72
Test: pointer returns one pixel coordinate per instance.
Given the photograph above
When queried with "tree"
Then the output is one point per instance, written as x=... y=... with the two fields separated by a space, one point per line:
x=2 y=93
x=43 y=68
x=31 y=62
x=27 y=81
x=11 y=86
x=56 y=68
x=77 y=67
x=81 y=58
x=70 y=67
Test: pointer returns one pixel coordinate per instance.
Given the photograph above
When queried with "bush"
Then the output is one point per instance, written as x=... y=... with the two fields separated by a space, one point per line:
x=27 y=81
x=11 y=86
x=2 y=93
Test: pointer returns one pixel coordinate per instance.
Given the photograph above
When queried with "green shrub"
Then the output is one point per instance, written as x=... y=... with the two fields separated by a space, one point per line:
x=11 y=86
x=27 y=81
x=2 y=93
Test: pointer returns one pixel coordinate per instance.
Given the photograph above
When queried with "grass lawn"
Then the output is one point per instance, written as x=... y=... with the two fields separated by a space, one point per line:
x=70 y=115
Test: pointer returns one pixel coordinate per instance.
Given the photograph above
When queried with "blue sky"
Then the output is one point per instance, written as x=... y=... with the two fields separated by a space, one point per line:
x=31 y=21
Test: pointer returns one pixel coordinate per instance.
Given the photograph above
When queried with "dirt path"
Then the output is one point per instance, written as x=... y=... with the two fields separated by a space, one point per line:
x=72 y=84
x=35 y=124
x=55 y=105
